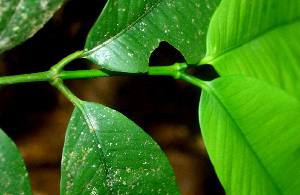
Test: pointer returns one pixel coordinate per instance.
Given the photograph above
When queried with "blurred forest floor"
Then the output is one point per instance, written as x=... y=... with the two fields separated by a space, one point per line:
x=36 y=115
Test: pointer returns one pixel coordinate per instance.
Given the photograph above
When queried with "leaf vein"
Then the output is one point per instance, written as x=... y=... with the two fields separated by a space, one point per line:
x=109 y=41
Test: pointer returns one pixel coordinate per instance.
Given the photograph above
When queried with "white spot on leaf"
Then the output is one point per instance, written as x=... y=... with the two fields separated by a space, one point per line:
x=44 y=4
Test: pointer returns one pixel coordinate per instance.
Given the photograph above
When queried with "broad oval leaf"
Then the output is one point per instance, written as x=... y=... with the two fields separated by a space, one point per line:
x=106 y=153
x=257 y=38
x=21 y=19
x=13 y=174
x=251 y=131
x=128 y=31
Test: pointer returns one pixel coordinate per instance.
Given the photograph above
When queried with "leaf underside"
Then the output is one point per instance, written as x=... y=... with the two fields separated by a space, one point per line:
x=13 y=174
x=128 y=31
x=106 y=153
x=21 y=19
x=251 y=131
x=258 y=39
x=250 y=123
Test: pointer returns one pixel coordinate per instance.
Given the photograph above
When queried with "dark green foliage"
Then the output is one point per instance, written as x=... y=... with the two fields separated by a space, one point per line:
x=21 y=19
x=107 y=153
x=13 y=174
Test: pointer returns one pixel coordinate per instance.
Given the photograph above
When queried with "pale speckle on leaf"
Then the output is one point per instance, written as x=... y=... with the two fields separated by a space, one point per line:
x=44 y=4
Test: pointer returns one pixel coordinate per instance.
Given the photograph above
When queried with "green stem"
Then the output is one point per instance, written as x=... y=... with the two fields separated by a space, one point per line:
x=33 y=77
x=177 y=71
x=93 y=73
x=173 y=70
x=57 y=68
x=195 y=81
x=153 y=70
x=58 y=83
x=79 y=74
x=41 y=76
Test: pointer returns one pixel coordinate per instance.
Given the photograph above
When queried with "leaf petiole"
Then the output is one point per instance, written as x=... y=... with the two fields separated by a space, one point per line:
x=195 y=81
x=58 y=83
x=57 y=68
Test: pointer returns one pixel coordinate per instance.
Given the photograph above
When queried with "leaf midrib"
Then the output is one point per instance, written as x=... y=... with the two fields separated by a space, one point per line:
x=216 y=97
x=213 y=57
x=127 y=28
x=98 y=141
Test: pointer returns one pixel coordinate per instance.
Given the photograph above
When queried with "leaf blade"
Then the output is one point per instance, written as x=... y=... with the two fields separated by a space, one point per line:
x=257 y=39
x=104 y=152
x=13 y=174
x=20 y=20
x=130 y=42
x=249 y=144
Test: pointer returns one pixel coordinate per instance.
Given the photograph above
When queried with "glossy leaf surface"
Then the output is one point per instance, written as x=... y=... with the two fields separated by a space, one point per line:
x=13 y=174
x=257 y=38
x=106 y=153
x=251 y=131
x=21 y=19
x=128 y=31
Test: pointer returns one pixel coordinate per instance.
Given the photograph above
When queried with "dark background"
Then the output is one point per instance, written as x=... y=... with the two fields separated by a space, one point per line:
x=35 y=115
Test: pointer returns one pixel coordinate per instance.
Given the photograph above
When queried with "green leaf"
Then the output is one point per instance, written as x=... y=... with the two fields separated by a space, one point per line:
x=257 y=38
x=251 y=131
x=21 y=19
x=13 y=174
x=106 y=153
x=128 y=31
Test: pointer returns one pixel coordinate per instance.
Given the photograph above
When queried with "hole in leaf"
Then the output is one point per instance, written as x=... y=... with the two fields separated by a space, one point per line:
x=165 y=55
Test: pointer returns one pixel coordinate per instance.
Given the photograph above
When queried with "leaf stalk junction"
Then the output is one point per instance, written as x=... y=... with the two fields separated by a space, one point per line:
x=56 y=75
